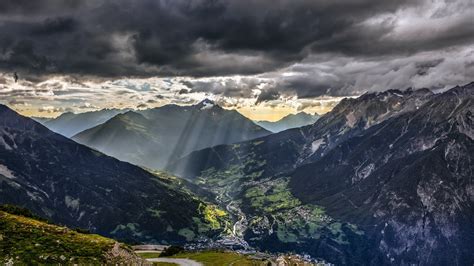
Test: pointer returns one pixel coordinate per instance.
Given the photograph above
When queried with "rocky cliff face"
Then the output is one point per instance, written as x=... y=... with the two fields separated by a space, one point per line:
x=353 y=116
x=287 y=150
x=407 y=181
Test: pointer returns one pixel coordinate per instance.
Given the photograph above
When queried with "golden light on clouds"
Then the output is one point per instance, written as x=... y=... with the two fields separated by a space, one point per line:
x=59 y=94
x=269 y=113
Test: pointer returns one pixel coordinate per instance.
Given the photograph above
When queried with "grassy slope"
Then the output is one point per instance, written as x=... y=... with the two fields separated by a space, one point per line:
x=27 y=240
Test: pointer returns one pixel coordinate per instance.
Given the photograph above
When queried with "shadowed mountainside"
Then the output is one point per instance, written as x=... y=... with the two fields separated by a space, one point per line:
x=72 y=184
x=154 y=137
x=397 y=165
x=290 y=121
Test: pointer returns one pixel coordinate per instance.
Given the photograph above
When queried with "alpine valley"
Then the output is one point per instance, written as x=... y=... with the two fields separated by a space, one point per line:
x=386 y=178
x=237 y=132
x=382 y=179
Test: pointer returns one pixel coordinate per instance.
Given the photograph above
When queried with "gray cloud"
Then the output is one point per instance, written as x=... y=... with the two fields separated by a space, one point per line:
x=210 y=37
x=268 y=95
x=229 y=87
x=231 y=49
x=345 y=76
x=184 y=91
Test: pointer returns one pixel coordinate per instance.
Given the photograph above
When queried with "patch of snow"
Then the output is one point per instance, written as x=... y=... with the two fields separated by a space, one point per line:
x=33 y=196
x=72 y=202
x=207 y=105
x=10 y=136
x=81 y=215
x=351 y=120
x=4 y=144
x=6 y=172
x=316 y=144
x=366 y=171
x=38 y=190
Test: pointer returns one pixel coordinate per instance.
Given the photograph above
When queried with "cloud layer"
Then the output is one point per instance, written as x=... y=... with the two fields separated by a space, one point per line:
x=258 y=50
x=217 y=37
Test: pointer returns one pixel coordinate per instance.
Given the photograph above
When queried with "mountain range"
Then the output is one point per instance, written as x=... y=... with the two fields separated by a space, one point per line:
x=385 y=178
x=406 y=181
x=290 y=121
x=382 y=179
x=156 y=136
x=69 y=124
x=71 y=184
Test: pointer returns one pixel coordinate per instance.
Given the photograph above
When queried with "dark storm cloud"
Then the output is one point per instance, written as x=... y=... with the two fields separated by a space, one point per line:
x=226 y=87
x=184 y=91
x=57 y=25
x=268 y=95
x=28 y=7
x=351 y=76
x=280 y=48
x=200 y=37
x=424 y=66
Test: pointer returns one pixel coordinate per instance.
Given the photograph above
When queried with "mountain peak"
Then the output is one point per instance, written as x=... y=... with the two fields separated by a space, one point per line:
x=467 y=89
x=206 y=104
x=470 y=85
x=207 y=100
x=4 y=107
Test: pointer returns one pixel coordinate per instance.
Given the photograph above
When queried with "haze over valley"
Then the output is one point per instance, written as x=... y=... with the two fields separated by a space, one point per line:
x=237 y=132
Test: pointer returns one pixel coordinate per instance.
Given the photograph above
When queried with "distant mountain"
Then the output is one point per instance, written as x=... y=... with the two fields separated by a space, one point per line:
x=27 y=240
x=383 y=178
x=288 y=149
x=41 y=120
x=154 y=137
x=71 y=184
x=290 y=121
x=69 y=124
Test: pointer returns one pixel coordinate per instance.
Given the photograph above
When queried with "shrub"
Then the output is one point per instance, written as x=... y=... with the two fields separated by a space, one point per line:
x=171 y=250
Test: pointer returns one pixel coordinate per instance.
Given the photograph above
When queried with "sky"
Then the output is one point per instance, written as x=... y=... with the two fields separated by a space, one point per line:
x=265 y=58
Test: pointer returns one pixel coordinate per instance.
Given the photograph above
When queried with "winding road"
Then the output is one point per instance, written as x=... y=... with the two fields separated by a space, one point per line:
x=180 y=262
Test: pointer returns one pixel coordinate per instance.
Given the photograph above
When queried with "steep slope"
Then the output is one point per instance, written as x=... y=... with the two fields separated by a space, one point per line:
x=407 y=182
x=290 y=121
x=71 y=184
x=69 y=124
x=127 y=137
x=154 y=137
x=286 y=150
x=25 y=239
x=252 y=180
